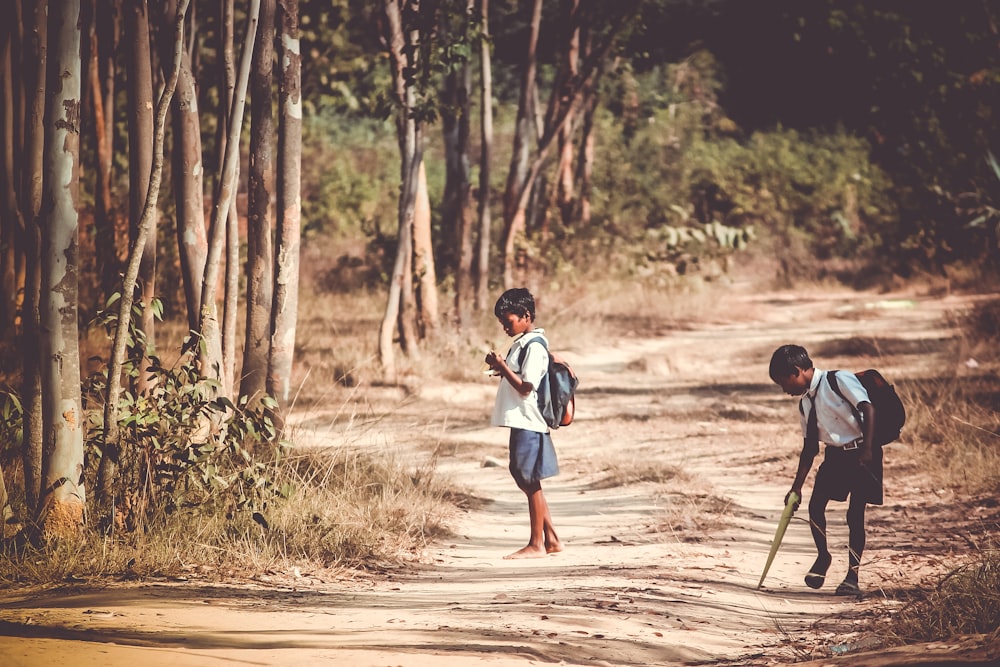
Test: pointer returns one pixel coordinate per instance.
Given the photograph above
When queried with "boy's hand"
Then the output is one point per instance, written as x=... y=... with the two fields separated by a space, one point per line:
x=865 y=455
x=789 y=495
x=494 y=361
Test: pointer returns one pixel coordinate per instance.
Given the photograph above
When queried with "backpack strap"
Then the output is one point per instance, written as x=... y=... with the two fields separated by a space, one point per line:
x=524 y=350
x=831 y=377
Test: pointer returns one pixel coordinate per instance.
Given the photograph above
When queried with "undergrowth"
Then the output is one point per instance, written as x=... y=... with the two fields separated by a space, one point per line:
x=344 y=508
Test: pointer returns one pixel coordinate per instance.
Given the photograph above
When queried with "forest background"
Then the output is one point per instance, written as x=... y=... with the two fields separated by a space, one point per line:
x=657 y=143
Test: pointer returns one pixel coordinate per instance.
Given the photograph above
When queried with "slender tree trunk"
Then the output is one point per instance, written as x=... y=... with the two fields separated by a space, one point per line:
x=112 y=450
x=230 y=309
x=458 y=188
x=141 y=139
x=188 y=179
x=34 y=151
x=63 y=496
x=210 y=357
x=585 y=164
x=140 y=163
x=565 y=99
x=565 y=189
x=260 y=295
x=286 y=276
x=399 y=312
x=423 y=258
x=9 y=210
x=486 y=141
x=106 y=242
x=513 y=215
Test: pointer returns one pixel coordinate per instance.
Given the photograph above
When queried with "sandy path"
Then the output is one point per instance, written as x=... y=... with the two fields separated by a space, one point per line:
x=653 y=574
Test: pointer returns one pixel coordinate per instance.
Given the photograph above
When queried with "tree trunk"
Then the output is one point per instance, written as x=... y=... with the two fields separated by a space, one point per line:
x=399 y=312
x=260 y=295
x=456 y=214
x=9 y=210
x=423 y=258
x=585 y=163
x=61 y=511
x=112 y=450
x=230 y=308
x=486 y=140
x=145 y=156
x=34 y=151
x=513 y=214
x=210 y=357
x=105 y=242
x=140 y=162
x=565 y=190
x=188 y=178
x=286 y=276
x=566 y=97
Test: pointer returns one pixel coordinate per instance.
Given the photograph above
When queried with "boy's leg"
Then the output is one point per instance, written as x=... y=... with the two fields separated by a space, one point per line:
x=817 y=524
x=537 y=510
x=856 y=541
x=551 y=540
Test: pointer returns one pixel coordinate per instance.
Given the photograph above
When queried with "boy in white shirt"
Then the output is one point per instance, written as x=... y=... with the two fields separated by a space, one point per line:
x=532 y=454
x=851 y=465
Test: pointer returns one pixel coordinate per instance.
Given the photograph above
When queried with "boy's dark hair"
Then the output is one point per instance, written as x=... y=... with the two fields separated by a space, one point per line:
x=789 y=360
x=517 y=301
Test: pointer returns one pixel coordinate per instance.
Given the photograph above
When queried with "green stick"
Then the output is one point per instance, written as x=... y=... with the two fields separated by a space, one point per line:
x=786 y=516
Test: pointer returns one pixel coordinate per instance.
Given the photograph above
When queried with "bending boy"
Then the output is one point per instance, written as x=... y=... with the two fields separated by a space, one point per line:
x=851 y=466
x=532 y=455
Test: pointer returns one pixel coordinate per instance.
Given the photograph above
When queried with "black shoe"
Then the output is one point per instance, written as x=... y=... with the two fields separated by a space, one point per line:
x=817 y=573
x=849 y=587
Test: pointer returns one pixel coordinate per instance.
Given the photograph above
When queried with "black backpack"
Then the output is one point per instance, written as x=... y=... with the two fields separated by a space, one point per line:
x=557 y=393
x=890 y=415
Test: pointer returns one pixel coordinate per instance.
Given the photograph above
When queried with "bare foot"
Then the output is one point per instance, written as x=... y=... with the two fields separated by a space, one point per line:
x=529 y=551
x=553 y=547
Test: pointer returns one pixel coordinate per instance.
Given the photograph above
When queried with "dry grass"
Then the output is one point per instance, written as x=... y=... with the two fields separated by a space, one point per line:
x=344 y=508
x=966 y=601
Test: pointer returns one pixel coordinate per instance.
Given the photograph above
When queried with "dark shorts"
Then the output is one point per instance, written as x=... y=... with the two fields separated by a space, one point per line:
x=532 y=457
x=840 y=474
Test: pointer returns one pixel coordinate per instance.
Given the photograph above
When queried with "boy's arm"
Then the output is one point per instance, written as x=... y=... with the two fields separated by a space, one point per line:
x=499 y=364
x=805 y=465
x=868 y=413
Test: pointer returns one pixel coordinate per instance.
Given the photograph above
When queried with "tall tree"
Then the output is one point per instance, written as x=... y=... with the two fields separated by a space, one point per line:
x=188 y=178
x=34 y=70
x=61 y=510
x=567 y=94
x=456 y=204
x=403 y=46
x=141 y=145
x=231 y=300
x=260 y=286
x=140 y=159
x=286 y=274
x=570 y=66
x=517 y=175
x=102 y=44
x=485 y=156
x=10 y=214
x=210 y=356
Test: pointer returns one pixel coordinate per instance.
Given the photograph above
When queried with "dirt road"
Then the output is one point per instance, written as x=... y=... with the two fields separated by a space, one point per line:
x=672 y=482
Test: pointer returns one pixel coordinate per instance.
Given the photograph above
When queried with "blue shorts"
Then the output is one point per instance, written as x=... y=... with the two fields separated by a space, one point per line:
x=532 y=457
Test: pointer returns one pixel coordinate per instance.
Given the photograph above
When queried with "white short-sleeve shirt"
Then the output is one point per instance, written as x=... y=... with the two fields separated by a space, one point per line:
x=511 y=408
x=835 y=417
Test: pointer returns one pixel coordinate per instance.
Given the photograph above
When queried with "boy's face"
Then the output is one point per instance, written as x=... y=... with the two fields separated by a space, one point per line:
x=513 y=324
x=794 y=385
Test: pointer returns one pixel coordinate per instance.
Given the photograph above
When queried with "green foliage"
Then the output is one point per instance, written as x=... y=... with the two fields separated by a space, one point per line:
x=189 y=446
x=350 y=177
x=680 y=178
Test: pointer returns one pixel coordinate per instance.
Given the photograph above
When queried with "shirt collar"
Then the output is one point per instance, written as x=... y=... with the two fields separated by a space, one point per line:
x=814 y=385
